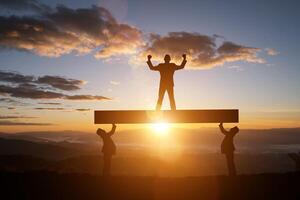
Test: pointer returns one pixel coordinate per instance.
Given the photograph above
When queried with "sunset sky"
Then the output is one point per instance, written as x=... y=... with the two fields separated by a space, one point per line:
x=60 y=60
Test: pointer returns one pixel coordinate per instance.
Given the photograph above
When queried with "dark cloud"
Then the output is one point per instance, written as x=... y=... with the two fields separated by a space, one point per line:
x=8 y=100
x=65 y=30
x=219 y=36
x=202 y=50
x=24 y=5
x=15 y=117
x=11 y=123
x=31 y=82
x=14 y=77
x=49 y=103
x=11 y=102
x=44 y=87
x=60 y=82
x=83 y=109
x=49 y=108
x=35 y=93
x=28 y=85
x=30 y=93
x=86 y=97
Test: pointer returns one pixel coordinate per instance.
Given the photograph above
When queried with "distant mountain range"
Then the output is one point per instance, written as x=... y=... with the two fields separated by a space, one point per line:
x=205 y=139
x=184 y=152
x=43 y=150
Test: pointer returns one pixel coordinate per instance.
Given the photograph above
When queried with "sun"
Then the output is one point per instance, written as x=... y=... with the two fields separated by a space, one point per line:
x=160 y=128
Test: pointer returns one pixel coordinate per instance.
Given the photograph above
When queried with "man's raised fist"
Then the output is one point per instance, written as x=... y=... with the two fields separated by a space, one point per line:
x=149 y=57
x=184 y=56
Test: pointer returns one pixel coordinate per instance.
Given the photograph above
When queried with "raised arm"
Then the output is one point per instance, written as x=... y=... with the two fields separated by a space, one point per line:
x=150 y=64
x=182 y=65
x=223 y=129
x=110 y=133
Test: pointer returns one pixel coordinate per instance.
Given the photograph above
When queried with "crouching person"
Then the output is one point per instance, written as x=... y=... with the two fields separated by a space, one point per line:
x=108 y=149
x=227 y=147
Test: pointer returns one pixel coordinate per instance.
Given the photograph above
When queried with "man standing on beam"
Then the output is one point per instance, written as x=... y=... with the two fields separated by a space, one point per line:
x=166 y=71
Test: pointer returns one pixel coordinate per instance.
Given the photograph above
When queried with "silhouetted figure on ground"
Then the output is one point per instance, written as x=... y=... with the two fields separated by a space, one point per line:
x=108 y=149
x=166 y=71
x=227 y=147
x=296 y=158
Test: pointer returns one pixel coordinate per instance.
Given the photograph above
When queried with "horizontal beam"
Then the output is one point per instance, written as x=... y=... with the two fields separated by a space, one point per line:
x=176 y=116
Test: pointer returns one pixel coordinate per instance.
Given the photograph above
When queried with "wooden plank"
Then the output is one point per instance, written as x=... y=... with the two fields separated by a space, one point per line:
x=177 y=116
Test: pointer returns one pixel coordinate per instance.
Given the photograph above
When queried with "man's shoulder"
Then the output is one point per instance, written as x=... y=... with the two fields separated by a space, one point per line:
x=161 y=65
x=167 y=64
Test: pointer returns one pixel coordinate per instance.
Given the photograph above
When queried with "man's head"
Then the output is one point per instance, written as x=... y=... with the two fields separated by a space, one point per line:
x=101 y=132
x=167 y=58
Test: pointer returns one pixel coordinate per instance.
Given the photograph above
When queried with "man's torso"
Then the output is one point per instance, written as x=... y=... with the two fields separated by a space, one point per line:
x=227 y=145
x=109 y=146
x=166 y=71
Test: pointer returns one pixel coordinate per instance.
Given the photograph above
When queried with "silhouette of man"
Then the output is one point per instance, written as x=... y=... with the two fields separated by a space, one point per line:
x=227 y=147
x=108 y=149
x=166 y=71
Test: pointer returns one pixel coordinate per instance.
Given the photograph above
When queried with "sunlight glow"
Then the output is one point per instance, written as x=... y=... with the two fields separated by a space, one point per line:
x=161 y=128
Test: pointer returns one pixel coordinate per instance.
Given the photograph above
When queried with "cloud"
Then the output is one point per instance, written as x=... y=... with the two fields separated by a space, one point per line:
x=49 y=103
x=13 y=77
x=11 y=101
x=57 y=82
x=114 y=82
x=236 y=67
x=60 y=82
x=24 y=5
x=44 y=87
x=86 y=97
x=219 y=36
x=126 y=41
x=78 y=109
x=83 y=109
x=30 y=93
x=15 y=117
x=271 y=52
x=64 y=30
x=58 y=31
x=49 y=108
x=35 y=93
x=11 y=123
x=202 y=51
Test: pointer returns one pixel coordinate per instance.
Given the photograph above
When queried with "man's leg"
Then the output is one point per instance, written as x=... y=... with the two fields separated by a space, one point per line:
x=106 y=165
x=170 y=91
x=161 y=94
x=230 y=164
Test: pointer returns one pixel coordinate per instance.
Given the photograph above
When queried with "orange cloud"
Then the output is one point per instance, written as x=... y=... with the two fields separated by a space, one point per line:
x=202 y=51
x=271 y=52
x=64 y=30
